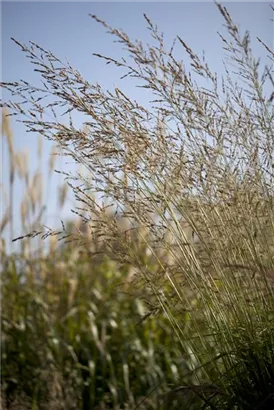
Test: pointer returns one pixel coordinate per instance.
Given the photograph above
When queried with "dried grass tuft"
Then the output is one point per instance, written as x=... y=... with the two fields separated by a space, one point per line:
x=192 y=179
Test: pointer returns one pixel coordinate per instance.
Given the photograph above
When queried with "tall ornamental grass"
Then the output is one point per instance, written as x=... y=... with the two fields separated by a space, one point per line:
x=193 y=176
x=72 y=334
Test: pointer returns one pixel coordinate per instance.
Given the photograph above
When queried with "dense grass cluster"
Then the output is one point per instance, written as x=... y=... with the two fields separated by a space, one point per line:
x=73 y=337
x=176 y=226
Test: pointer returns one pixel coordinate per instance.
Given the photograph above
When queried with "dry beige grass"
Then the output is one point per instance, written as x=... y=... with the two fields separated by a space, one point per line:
x=203 y=156
x=32 y=204
x=199 y=161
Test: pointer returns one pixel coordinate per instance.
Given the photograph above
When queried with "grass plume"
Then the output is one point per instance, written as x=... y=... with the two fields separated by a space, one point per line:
x=192 y=176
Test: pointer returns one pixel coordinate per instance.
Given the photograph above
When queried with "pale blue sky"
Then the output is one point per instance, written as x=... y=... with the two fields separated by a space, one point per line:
x=66 y=29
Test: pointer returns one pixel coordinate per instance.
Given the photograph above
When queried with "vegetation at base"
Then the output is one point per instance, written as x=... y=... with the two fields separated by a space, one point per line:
x=73 y=337
x=161 y=296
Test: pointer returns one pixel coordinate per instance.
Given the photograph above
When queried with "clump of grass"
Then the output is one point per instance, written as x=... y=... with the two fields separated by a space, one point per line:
x=75 y=338
x=201 y=156
x=72 y=335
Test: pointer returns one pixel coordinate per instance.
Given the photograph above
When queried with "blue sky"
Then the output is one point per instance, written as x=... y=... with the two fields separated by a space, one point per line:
x=66 y=29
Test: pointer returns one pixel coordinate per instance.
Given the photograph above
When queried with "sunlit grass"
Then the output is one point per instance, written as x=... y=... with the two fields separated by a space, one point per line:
x=180 y=199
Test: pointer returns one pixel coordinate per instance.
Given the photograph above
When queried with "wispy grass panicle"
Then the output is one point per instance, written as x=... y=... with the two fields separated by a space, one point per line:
x=193 y=176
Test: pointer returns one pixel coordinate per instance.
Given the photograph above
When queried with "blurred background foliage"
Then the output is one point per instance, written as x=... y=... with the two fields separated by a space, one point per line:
x=74 y=334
